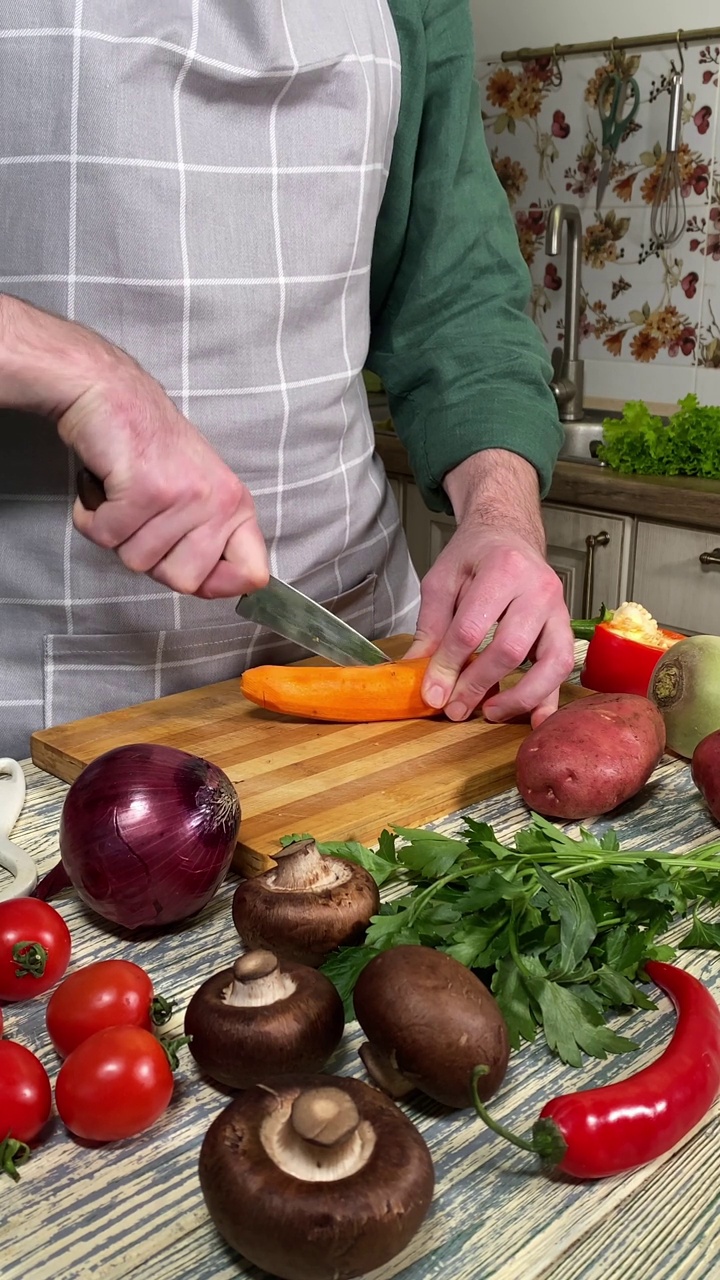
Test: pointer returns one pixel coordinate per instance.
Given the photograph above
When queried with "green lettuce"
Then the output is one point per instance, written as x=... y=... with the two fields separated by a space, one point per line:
x=642 y=444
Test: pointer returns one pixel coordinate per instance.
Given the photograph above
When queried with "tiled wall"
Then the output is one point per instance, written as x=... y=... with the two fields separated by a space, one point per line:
x=651 y=319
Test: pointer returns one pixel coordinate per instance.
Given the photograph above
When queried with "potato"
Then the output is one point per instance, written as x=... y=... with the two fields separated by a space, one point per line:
x=590 y=756
x=705 y=770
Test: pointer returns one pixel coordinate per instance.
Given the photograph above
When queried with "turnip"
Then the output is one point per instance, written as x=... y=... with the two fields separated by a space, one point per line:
x=685 y=686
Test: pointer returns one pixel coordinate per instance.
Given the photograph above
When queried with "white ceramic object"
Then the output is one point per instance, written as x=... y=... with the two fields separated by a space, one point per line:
x=12 y=858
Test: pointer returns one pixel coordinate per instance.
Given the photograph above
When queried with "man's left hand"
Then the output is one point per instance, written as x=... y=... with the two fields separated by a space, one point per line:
x=494 y=570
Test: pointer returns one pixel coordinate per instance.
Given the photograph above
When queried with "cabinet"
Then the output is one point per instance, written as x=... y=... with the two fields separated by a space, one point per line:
x=589 y=550
x=677 y=576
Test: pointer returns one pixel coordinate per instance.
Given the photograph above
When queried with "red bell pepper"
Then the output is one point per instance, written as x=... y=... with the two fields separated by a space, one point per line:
x=615 y=663
x=596 y=1133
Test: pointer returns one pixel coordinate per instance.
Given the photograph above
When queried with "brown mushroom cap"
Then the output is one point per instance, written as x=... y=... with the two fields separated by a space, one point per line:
x=306 y=906
x=429 y=1021
x=315 y=1177
x=263 y=1018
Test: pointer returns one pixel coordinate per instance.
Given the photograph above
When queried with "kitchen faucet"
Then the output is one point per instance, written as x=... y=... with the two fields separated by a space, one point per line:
x=567 y=383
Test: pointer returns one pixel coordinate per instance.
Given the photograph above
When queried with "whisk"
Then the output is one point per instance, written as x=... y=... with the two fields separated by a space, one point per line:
x=667 y=219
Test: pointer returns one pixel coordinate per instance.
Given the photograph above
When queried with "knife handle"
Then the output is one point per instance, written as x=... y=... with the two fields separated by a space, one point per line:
x=91 y=490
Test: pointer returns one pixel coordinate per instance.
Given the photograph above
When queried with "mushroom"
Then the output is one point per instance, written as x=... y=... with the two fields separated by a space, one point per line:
x=311 y=1180
x=306 y=906
x=429 y=1021
x=263 y=1018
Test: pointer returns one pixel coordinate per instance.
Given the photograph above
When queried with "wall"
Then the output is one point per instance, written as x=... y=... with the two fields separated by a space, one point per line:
x=651 y=315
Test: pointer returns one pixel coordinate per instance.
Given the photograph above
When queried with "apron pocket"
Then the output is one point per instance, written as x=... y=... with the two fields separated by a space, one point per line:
x=87 y=675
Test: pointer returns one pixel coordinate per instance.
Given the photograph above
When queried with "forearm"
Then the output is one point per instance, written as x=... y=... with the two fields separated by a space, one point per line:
x=46 y=362
x=499 y=490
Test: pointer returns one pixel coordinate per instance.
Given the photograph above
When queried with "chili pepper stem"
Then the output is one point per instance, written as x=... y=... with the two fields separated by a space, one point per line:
x=487 y=1119
x=547 y=1141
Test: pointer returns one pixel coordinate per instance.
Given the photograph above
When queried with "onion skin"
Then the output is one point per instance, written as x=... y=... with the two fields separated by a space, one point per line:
x=685 y=686
x=147 y=834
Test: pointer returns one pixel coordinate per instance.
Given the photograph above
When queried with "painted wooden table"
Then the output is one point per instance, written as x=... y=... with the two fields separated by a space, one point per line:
x=133 y=1210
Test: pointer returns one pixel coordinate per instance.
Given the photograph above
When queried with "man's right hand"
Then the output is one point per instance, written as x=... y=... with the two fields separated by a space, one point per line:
x=174 y=510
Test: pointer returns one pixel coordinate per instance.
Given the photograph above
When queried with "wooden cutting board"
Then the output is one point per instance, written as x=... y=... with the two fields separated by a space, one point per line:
x=333 y=781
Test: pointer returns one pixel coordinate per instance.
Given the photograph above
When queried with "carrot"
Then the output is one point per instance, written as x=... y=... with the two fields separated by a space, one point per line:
x=353 y=695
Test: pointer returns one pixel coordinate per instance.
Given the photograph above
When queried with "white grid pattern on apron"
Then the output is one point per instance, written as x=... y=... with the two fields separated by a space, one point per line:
x=370 y=548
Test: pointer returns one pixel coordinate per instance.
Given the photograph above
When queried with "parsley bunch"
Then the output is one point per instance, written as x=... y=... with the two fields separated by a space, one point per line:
x=559 y=927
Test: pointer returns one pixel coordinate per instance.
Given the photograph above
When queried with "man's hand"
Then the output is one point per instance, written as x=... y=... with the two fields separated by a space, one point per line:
x=174 y=510
x=493 y=570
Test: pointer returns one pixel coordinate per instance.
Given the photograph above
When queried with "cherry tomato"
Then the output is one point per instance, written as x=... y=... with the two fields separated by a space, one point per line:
x=25 y=1093
x=108 y=993
x=34 y=948
x=114 y=1085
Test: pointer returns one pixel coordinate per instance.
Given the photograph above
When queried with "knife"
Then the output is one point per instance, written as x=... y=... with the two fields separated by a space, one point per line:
x=280 y=607
x=286 y=610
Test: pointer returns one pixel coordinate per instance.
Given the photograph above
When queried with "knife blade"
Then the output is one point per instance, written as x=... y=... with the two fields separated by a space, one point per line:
x=295 y=616
x=280 y=607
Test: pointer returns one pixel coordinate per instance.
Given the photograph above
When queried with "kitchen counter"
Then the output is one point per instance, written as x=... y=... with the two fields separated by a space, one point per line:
x=134 y=1210
x=681 y=500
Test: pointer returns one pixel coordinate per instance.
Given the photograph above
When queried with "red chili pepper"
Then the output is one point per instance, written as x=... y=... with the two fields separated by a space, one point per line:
x=596 y=1133
x=615 y=663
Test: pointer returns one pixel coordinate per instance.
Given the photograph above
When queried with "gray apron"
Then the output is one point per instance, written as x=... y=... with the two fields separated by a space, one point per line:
x=198 y=180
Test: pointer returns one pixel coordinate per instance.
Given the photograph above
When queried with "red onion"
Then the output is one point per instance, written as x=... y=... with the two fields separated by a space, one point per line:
x=147 y=834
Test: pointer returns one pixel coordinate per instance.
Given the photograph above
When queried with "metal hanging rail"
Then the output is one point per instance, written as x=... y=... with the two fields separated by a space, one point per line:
x=699 y=34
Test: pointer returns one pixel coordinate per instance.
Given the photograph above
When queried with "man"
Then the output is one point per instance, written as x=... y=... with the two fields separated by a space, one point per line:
x=254 y=202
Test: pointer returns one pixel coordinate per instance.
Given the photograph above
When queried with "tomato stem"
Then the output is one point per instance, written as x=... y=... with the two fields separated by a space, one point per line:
x=31 y=958
x=161 y=1010
x=171 y=1049
x=12 y=1153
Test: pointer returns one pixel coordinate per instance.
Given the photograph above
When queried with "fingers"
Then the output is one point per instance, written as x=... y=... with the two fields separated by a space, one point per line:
x=537 y=690
x=241 y=566
x=446 y=684
x=505 y=582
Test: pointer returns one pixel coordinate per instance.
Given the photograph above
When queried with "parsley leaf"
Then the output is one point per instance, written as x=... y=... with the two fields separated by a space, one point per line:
x=382 y=865
x=572 y=1024
x=703 y=934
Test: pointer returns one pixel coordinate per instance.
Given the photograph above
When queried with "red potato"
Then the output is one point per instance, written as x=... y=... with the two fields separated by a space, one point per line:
x=590 y=756
x=705 y=770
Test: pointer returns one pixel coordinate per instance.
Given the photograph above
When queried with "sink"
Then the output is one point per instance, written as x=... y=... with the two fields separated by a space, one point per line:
x=582 y=438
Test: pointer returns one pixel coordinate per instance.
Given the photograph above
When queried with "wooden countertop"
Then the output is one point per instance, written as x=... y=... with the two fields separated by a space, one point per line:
x=681 y=500
x=134 y=1209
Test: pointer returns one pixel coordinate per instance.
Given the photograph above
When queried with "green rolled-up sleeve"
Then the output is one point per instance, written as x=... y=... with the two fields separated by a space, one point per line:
x=464 y=366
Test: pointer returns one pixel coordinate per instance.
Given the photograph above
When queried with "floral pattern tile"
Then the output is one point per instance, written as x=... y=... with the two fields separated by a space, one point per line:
x=641 y=303
x=708 y=346
x=638 y=303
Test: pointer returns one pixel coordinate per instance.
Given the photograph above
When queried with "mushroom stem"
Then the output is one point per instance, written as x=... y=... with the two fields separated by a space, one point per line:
x=318 y=1136
x=382 y=1068
x=302 y=867
x=257 y=980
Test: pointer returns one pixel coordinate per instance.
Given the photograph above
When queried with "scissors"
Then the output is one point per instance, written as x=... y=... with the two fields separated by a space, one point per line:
x=615 y=92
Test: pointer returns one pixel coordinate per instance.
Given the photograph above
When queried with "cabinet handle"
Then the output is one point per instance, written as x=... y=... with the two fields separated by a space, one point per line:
x=710 y=557
x=592 y=541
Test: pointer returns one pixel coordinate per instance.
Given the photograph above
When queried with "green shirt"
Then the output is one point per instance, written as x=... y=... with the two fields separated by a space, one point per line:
x=464 y=366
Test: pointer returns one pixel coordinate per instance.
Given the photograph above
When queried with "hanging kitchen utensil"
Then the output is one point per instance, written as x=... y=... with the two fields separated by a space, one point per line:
x=614 y=94
x=667 y=218
x=12 y=858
